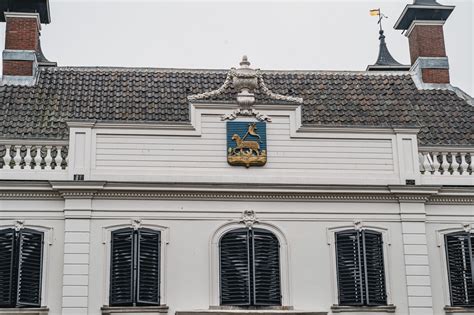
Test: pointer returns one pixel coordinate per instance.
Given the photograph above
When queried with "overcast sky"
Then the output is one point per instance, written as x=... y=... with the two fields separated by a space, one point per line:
x=311 y=35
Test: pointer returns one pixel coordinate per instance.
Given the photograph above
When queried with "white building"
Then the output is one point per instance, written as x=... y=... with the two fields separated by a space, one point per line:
x=119 y=192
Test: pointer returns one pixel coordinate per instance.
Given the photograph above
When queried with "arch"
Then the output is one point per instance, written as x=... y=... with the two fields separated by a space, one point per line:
x=214 y=265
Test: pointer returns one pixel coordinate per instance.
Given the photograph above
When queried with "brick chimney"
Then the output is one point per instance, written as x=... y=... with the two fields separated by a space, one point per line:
x=22 y=53
x=423 y=23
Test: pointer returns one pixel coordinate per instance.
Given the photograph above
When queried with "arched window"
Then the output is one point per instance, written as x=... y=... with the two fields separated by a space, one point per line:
x=250 y=268
x=460 y=261
x=360 y=268
x=135 y=267
x=21 y=255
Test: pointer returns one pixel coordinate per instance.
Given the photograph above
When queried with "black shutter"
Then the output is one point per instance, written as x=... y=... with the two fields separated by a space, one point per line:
x=266 y=257
x=460 y=252
x=121 y=269
x=374 y=268
x=349 y=268
x=7 y=245
x=29 y=268
x=235 y=268
x=360 y=268
x=148 y=286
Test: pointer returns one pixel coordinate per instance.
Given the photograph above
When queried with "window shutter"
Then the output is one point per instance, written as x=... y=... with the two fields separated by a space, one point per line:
x=374 y=268
x=266 y=257
x=148 y=286
x=121 y=269
x=349 y=268
x=234 y=268
x=460 y=252
x=7 y=245
x=29 y=268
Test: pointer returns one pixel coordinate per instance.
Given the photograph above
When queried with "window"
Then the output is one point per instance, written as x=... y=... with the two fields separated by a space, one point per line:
x=250 y=268
x=21 y=254
x=360 y=268
x=135 y=267
x=460 y=261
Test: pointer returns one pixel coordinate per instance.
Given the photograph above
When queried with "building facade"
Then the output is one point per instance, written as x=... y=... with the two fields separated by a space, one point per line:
x=180 y=191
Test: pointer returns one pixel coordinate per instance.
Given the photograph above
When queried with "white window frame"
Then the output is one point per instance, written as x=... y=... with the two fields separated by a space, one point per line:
x=45 y=266
x=331 y=241
x=214 y=290
x=106 y=241
x=441 y=243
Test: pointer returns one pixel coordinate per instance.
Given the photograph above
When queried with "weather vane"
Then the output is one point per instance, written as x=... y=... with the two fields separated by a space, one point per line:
x=377 y=12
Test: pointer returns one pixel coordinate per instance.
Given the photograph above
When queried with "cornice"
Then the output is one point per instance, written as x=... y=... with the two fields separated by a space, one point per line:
x=30 y=195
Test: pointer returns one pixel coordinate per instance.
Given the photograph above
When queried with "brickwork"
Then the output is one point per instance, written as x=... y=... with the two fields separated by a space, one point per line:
x=426 y=41
x=435 y=75
x=17 y=67
x=21 y=33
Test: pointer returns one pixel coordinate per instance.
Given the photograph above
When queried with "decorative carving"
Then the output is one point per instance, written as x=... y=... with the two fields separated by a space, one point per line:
x=19 y=225
x=136 y=223
x=358 y=225
x=249 y=218
x=246 y=80
x=466 y=227
x=250 y=149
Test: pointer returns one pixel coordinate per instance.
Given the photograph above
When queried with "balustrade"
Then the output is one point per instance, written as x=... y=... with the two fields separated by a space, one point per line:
x=445 y=163
x=33 y=157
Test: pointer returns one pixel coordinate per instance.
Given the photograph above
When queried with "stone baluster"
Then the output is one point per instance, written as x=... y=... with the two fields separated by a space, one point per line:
x=7 y=158
x=436 y=164
x=17 y=157
x=28 y=158
x=444 y=163
x=427 y=163
x=454 y=164
x=48 y=158
x=464 y=164
x=38 y=157
x=59 y=158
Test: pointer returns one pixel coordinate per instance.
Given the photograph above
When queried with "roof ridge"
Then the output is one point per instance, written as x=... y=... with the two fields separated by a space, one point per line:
x=197 y=70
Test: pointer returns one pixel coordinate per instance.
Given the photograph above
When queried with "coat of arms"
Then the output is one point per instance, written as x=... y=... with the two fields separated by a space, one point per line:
x=246 y=143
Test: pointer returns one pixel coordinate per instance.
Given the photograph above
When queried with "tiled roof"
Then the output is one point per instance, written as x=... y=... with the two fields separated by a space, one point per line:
x=158 y=95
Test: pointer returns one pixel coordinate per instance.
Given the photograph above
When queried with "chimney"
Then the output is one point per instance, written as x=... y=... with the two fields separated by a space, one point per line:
x=22 y=53
x=423 y=23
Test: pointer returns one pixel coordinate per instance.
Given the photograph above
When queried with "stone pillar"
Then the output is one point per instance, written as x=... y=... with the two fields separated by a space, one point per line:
x=415 y=248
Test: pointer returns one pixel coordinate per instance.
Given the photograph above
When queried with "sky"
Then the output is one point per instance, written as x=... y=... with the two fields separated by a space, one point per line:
x=284 y=35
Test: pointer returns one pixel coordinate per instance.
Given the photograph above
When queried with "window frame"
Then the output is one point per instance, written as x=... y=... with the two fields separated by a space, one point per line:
x=331 y=242
x=48 y=239
x=106 y=242
x=440 y=234
x=447 y=269
x=214 y=266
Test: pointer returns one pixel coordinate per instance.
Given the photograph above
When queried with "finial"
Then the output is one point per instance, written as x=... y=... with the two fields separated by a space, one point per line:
x=245 y=63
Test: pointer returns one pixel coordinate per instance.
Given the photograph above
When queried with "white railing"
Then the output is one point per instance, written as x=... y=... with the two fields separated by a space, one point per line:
x=26 y=157
x=445 y=163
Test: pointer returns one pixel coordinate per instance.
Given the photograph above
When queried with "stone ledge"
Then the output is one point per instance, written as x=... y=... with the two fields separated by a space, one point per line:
x=363 y=309
x=24 y=311
x=249 y=312
x=134 y=310
x=459 y=309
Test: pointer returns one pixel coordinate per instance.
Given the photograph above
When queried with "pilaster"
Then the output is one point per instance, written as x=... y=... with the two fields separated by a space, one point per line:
x=415 y=248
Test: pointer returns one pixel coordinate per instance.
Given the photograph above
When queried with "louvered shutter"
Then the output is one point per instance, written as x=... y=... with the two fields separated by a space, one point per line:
x=460 y=252
x=29 y=268
x=266 y=258
x=349 y=268
x=121 y=269
x=7 y=240
x=148 y=286
x=235 y=268
x=374 y=268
